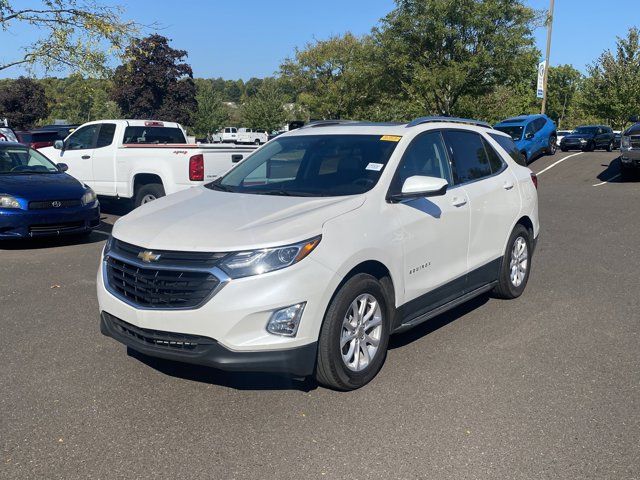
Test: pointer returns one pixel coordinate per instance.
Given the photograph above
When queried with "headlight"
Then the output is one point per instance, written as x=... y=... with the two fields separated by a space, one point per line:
x=255 y=262
x=89 y=196
x=625 y=142
x=7 y=201
x=582 y=140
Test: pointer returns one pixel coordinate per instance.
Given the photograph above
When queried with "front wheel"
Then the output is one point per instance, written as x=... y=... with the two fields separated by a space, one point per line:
x=516 y=264
x=148 y=193
x=610 y=146
x=553 y=146
x=353 y=340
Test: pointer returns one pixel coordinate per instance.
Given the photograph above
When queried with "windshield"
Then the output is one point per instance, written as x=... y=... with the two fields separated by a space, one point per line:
x=153 y=135
x=586 y=130
x=514 y=131
x=312 y=165
x=22 y=160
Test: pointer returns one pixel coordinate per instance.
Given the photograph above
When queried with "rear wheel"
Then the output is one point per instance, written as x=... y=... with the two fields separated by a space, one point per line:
x=148 y=193
x=353 y=340
x=516 y=264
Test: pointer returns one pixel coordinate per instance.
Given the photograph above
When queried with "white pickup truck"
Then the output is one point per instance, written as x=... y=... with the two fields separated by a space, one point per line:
x=141 y=159
x=250 y=135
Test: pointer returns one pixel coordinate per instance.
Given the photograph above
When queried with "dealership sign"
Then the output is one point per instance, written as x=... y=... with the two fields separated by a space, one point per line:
x=540 y=88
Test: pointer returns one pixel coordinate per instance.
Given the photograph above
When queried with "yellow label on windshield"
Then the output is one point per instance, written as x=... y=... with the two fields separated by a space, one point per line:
x=390 y=138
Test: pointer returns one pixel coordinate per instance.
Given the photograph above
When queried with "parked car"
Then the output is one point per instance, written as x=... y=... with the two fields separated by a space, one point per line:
x=38 y=139
x=140 y=159
x=250 y=135
x=226 y=135
x=534 y=135
x=305 y=257
x=617 y=139
x=630 y=151
x=38 y=199
x=63 y=130
x=6 y=133
x=588 y=138
x=561 y=134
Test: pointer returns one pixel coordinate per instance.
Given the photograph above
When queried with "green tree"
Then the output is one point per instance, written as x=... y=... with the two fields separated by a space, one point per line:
x=331 y=77
x=265 y=110
x=75 y=34
x=612 y=90
x=211 y=113
x=562 y=85
x=23 y=102
x=435 y=52
x=155 y=82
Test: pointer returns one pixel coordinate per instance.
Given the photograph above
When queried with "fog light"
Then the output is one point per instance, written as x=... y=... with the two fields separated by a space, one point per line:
x=286 y=320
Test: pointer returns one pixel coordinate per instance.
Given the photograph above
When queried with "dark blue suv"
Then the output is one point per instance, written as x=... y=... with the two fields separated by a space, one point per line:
x=534 y=135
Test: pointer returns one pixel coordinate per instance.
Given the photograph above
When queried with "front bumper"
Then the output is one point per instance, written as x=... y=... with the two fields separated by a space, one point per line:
x=630 y=158
x=573 y=144
x=18 y=223
x=299 y=361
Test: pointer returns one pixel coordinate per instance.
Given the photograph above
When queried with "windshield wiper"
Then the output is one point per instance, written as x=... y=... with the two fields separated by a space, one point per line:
x=219 y=186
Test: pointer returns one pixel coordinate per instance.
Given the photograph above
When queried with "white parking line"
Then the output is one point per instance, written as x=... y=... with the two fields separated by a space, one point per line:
x=556 y=163
x=606 y=181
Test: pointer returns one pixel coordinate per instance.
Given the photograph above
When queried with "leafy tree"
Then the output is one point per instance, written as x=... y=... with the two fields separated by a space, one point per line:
x=331 y=76
x=265 y=110
x=562 y=85
x=612 y=90
x=252 y=86
x=434 y=52
x=75 y=34
x=155 y=82
x=23 y=102
x=233 y=90
x=211 y=113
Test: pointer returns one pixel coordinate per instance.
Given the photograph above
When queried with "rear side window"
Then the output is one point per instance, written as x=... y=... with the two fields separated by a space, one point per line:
x=469 y=158
x=507 y=144
x=105 y=136
x=494 y=159
x=151 y=135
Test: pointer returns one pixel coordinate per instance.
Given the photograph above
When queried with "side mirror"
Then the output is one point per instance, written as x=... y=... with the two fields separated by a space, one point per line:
x=529 y=136
x=58 y=145
x=421 y=186
x=63 y=167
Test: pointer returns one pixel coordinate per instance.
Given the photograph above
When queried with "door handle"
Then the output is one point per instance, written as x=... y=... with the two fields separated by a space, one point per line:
x=86 y=157
x=458 y=201
x=236 y=158
x=507 y=185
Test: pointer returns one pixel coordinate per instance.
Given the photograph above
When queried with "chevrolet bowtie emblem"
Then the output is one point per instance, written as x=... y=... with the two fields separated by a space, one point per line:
x=148 y=256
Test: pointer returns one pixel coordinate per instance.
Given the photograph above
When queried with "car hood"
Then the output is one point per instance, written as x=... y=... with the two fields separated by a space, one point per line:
x=578 y=136
x=199 y=219
x=45 y=186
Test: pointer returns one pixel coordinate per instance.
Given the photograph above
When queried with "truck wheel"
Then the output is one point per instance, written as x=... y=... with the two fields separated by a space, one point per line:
x=516 y=264
x=257 y=141
x=353 y=340
x=148 y=193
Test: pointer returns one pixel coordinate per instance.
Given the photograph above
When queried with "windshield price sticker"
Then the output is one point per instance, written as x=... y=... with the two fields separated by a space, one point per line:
x=390 y=138
x=376 y=167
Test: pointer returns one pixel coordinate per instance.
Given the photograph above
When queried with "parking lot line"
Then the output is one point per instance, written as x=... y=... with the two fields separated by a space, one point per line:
x=556 y=163
x=606 y=181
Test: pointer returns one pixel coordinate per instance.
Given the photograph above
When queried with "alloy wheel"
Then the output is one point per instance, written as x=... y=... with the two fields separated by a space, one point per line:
x=519 y=261
x=361 y=332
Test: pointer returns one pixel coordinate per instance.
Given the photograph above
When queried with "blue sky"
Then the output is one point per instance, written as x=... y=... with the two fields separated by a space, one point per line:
x=250 y=38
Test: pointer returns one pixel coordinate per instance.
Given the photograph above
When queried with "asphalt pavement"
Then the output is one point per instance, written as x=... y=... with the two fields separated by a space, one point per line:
x=546 y=386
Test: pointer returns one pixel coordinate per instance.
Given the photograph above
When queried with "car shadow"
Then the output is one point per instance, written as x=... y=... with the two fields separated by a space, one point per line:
x=113 y=206
x=402 y=339
x=235 y=380
x=99 y=234
x=613 y=170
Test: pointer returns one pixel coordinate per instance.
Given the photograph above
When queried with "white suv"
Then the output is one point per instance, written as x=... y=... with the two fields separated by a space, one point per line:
x=307 y=255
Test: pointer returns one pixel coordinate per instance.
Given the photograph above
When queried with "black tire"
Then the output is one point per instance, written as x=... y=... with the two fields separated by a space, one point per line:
x=506 y=288
x=144 y=192
x=564 y=149
x=553 y=145
x=331 y=370
x=589 y=147
x=610 y=146
x=257 y=141
x=525 y=158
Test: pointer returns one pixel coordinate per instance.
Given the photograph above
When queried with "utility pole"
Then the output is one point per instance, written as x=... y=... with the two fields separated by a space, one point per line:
x=546 y=64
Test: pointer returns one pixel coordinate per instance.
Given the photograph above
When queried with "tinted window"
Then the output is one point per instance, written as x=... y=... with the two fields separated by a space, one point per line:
x=495 y=161
x=146 y=135
x=539 y=124
x=82 y=138
x=425 y=156
x=586 y=130
x=469 y=160
x=507 y=144
x=311 y=165
x=105 y=136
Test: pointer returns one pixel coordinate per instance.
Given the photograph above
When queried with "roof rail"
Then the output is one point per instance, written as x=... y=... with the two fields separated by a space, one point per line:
x=327 y=123
x=467 y=121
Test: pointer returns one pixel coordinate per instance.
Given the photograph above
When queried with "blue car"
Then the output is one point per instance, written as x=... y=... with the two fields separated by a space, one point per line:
x=534 y=135
x=38 y=199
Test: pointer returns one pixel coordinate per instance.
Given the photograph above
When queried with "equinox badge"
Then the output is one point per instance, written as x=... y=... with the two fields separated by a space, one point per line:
x=148 y=256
